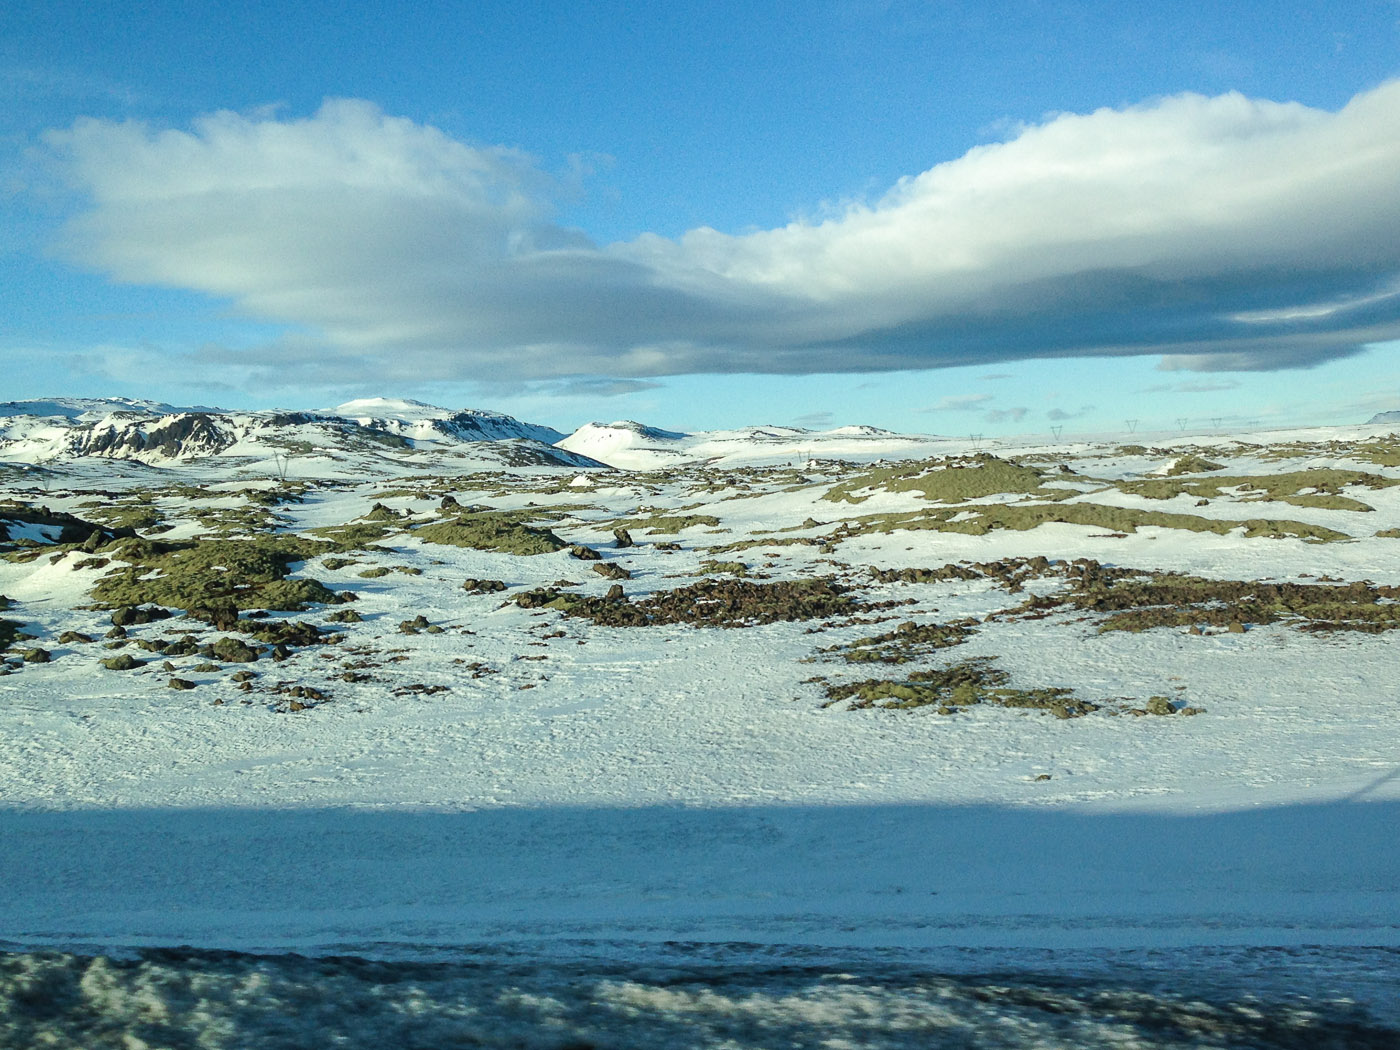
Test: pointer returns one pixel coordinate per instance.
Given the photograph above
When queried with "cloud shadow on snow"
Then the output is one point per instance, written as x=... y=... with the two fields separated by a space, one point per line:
x=899 y=875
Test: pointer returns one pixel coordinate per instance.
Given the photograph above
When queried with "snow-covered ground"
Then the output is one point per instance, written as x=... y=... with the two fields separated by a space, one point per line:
x=528 y=777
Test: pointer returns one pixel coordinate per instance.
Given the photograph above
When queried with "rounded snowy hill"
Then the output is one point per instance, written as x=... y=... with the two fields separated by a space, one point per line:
x=400 y=408
x=417 y=421
x=626 y=444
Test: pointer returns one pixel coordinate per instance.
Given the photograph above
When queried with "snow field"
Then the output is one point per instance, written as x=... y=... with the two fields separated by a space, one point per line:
x=673 y=782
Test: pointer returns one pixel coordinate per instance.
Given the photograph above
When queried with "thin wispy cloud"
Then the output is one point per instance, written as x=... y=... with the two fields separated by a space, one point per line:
x=30 y=82
x=1226 y=233
x=1195 y=386
x=1057 y=415
x=602 y=387
x=959 y=403
x=1308 y=350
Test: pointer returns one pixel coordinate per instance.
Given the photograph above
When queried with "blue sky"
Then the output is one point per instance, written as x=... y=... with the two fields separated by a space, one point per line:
x=944 y=217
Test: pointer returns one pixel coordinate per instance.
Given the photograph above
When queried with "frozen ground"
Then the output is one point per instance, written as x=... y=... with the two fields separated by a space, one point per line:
x=513 y=775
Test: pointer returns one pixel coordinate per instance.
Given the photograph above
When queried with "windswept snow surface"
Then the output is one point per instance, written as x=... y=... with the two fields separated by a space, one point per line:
x=522 y=776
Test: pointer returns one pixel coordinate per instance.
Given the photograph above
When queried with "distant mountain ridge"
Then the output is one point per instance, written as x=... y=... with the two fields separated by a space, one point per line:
x=158 y=434
x=91 y=408
x=396 y=435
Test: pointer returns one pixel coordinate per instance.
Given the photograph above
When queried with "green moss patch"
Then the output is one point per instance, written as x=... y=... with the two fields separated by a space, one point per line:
x=667 y=524
x=238 y=521
x=122 y=662
x=212 y=573
x=1136 y=600
x=766 y=541
x=1010 y=573
x=234 y=651
x=709 y=603
x=909 y=641
x=283 y=632
x=954 y=688
x=946 y=480
x=1130 y=599
x=126 y=515
x=1192 y=464
x=10 y=632
x=379 y=512
x=735 y=568
x=354 y=536
x=1383 y=452
x=1319 y=488
x=1021 y=516
x=491 y=531
x=476 y=586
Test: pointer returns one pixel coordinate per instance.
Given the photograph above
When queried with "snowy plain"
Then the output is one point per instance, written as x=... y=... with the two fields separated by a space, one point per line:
x=620 y=789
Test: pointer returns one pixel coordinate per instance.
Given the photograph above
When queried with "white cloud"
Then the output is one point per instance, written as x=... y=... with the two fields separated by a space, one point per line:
x=1227 y=233
x=1002 y=415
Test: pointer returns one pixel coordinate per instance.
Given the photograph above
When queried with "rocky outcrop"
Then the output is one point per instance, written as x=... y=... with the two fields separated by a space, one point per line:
x=169 y=437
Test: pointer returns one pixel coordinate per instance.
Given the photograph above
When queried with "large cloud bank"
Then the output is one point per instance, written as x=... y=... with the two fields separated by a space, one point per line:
x=1224 y=233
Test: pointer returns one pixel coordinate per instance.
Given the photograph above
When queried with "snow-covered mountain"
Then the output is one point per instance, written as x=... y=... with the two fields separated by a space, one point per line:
x=397 y=433
x=61 y=429
x=1384 y=417
x=89 y=408
x=416 y=421
x=629 y=445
